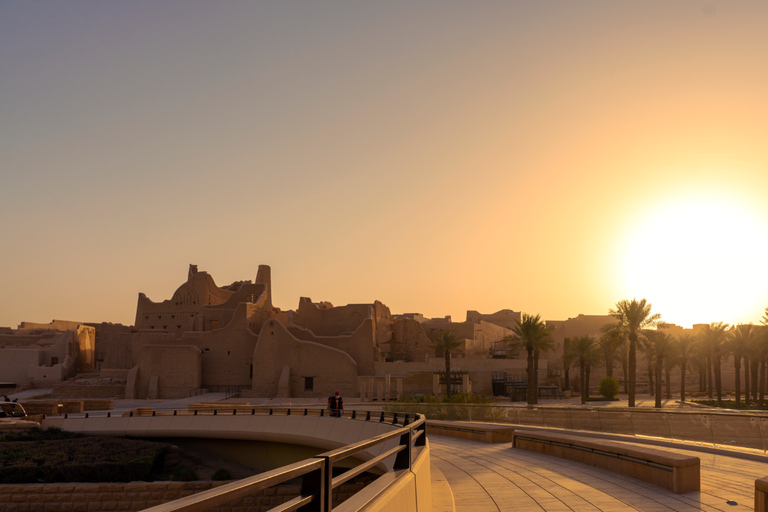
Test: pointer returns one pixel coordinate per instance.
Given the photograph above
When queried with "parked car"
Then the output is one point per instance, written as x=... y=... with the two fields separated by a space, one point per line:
x=12 y=410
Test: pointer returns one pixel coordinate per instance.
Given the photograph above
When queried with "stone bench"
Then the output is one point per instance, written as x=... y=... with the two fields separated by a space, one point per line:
x=484 y=432
x=761 y=494
x=676 y=472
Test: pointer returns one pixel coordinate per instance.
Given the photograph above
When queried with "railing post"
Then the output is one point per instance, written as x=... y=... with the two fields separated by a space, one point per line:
x=368 y=416
x=109 y=414
x=195 y=413
x=354 y=414
x=403 y=458
x=288 y=413
x=153 y=413
x=317 y=483
x=234 y=412
x=215 y=411
x=270 y=412
x=322 y=412
x=305 y=412
x=381 y=420
x=394 y=420
x=253 y=411
x=174 y=412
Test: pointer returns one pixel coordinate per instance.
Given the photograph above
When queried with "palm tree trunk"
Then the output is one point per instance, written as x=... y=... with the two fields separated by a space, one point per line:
x=667 y=382
x=650 y=376
x=586 y=379
x=582 y=381
x=632 y=368
x=737 y=374
x=536 y=374
x=718 y=379
x=448 y=389
x=683 y=367
x=710 y=390
x=531 y=391
x=659 y=367
x=625 y=367
x=760 y=385
x=747 y=384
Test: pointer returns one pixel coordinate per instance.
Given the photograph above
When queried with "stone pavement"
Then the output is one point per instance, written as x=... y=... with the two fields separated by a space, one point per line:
x=487 y=478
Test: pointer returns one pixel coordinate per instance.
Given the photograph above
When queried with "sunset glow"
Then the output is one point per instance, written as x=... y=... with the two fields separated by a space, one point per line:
x=547 y=157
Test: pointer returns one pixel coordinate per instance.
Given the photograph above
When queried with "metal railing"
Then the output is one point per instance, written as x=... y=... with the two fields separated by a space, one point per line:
x=318 y=482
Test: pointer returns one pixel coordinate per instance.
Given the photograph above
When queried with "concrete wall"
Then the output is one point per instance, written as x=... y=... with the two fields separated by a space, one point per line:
x=331 y=369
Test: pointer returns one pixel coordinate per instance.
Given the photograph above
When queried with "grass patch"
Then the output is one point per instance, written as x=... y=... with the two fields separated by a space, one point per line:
x=731 y=404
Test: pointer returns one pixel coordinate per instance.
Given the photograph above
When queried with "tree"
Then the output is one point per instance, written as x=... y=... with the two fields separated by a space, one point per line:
x=715 y=335
x=632 y=317
x=446 y=344
x=611 y=339
x=586 y=352
x=742 y=338
x=661 y=347
x=684 y=347
x=534 y=336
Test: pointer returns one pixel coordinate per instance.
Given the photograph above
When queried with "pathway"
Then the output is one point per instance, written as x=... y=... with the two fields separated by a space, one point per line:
x=486 y=478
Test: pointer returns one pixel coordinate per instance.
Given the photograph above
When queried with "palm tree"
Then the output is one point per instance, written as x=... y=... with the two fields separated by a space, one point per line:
x=684 y=350
x=586 y=351
x=611 y=339
x=715 y=335
x=660 y=345
x=534 y=336
x=742 y=338
x=447 y=342
x=567 y=362
x=633 y=316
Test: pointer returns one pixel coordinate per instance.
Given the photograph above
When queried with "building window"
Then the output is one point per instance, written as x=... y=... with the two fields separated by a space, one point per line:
x=309 y=383
x=54 y=361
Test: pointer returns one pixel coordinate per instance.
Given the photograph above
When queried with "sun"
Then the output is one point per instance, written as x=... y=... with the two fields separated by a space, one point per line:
x=699 y=260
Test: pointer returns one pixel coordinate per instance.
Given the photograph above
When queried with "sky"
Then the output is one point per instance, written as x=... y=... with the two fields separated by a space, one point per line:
x=549 y=157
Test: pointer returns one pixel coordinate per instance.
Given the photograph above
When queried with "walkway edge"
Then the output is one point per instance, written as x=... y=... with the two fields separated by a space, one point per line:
x=442 y=494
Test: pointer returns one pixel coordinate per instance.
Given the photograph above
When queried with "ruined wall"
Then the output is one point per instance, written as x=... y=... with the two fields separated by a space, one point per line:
x=167 y=371
x=15 y=364
x=55 y=325
x=180 y=313
x=220 y=315
x=359 y=345
x=227 y=354
x=409 y=342
x=324 y=319
x=330 y=369
x=504 y=318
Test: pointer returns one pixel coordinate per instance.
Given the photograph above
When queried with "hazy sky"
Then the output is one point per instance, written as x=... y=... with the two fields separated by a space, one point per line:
x=550 y=157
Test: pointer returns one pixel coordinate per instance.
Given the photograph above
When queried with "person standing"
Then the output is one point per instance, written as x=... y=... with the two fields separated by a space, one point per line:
x=336 y=405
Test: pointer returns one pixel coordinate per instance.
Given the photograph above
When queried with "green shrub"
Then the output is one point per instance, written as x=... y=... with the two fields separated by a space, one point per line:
x=78 y=459
x=609 y=388
x=182 y=473
x=221 y=474
x=460 y=406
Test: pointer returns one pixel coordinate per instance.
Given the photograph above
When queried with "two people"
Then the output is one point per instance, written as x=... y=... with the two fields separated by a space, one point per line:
x=336 y=405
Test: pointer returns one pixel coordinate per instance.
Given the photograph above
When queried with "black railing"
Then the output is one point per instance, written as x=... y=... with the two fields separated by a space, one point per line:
x=318 y=482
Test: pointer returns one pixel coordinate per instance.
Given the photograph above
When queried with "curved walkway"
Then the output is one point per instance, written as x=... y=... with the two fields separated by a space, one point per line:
x=486 y=478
